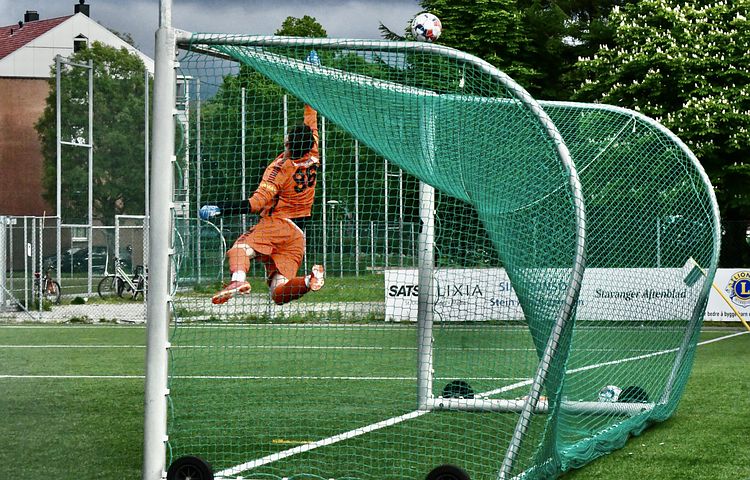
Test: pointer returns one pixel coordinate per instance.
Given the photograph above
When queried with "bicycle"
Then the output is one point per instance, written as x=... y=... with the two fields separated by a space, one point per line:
x=50 y=288
x=122 y=284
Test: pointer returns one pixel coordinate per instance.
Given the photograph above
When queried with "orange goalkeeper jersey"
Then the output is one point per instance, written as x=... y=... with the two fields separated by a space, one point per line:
x=289 y=186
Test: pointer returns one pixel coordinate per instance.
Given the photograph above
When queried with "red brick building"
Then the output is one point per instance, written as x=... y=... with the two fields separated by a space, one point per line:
x=27 y=51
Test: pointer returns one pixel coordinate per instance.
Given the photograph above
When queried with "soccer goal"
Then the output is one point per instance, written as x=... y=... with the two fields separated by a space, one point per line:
x=509 y=289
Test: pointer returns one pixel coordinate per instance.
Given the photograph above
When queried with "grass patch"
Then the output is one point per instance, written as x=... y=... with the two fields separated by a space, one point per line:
x=707 y=437
x=74 y=427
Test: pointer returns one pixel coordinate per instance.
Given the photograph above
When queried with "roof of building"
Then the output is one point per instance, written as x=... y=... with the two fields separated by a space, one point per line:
x=14 y=37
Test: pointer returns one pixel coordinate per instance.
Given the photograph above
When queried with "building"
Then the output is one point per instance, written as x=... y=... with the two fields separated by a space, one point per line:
x=27 y=52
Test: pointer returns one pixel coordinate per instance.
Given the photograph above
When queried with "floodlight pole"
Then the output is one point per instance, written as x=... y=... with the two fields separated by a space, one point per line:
x=3 y=267
x=146 y=170
x=157 y=309
x=58 y=168
x=243 y=152
x=199 y=173
x=90 y=230
x=73 y=142
x=356 y=207
x=322 y=177
x=146 y=140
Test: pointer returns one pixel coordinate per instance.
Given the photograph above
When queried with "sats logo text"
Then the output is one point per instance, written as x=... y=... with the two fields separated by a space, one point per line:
x=450 y=290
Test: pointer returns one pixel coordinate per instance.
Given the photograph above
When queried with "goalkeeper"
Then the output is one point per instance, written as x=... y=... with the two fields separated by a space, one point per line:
x=284 y=201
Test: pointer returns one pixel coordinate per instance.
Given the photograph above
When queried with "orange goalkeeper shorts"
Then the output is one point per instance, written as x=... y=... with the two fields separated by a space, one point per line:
x=280 y=243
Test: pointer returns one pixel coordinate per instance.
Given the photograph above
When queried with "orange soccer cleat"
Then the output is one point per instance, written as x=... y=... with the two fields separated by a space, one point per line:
x=234 y=288
x=317 y=277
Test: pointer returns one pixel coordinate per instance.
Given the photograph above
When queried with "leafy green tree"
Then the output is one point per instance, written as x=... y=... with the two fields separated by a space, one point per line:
x=306 y=26
x=119 y=129
x=493 y=30
x=537 y=42
x=686 y=66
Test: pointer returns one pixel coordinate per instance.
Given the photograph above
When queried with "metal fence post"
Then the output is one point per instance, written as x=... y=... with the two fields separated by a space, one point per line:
x=3 y=266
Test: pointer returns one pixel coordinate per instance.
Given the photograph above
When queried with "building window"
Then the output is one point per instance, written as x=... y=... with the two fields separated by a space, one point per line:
x=80 y=43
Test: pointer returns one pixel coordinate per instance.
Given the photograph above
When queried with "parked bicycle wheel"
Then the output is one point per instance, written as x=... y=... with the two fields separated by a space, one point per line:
x=52 y=292
x=126 y=291
x=110 y=286
x=140 y=284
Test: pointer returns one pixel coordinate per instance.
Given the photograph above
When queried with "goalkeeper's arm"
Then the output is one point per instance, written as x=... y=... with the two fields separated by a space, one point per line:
x=224 y=208
x=262 y=197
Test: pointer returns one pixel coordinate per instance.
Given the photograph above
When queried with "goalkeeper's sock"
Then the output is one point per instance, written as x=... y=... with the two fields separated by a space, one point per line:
x=291 y=290
x=239 y=276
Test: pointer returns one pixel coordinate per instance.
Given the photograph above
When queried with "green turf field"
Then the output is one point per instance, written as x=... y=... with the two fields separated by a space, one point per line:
x=73 y=401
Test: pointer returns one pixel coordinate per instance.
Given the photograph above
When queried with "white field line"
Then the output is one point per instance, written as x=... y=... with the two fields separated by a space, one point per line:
x=252 y=377
x=275 y=347
x=76 y=377
x=522 y=383
x=341 y=326
x=484 y=394
x=294 y=347
x=72 y=346
x=48 y=326
x=320 y=377
x=267 y=326
x=320 y=443
x=334 y=347
x=613 y=362
x=416 y=413
x=302 y=347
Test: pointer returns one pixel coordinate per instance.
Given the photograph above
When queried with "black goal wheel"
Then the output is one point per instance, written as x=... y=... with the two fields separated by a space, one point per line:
x=633 y=394
x=447 y=472
x=458 y=389
x=190 y=468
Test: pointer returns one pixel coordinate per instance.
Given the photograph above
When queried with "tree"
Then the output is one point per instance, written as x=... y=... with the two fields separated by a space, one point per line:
x=306 y=26
x=686 y=66
x=537 y=42
x=493 y=30
x=119 y=132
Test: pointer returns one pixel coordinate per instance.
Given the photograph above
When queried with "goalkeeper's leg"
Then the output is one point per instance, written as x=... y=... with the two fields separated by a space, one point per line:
x=284 y=290
x=239 y=263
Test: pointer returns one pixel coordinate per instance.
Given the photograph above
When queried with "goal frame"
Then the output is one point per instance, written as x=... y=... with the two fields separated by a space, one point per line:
x=168 y=40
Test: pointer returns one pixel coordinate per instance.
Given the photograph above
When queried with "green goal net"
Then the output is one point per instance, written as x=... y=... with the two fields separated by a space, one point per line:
x=513 y=287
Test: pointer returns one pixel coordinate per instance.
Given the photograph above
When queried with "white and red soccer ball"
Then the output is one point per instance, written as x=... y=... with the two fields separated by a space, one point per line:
x=426 y=27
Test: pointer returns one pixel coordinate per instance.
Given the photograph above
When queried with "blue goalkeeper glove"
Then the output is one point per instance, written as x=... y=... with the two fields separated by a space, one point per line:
x=208 y=212
x=313 y=58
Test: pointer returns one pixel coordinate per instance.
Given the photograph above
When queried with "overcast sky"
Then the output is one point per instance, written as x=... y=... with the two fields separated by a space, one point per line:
x=340 y=18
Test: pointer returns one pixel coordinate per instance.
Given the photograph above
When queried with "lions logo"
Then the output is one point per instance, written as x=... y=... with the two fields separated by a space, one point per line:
x=739 y=288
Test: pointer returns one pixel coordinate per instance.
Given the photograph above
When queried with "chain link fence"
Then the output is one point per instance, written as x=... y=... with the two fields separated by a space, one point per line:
x=37 y=285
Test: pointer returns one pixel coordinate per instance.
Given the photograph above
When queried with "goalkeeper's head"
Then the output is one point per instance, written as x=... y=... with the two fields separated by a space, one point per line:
x=299 y=141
